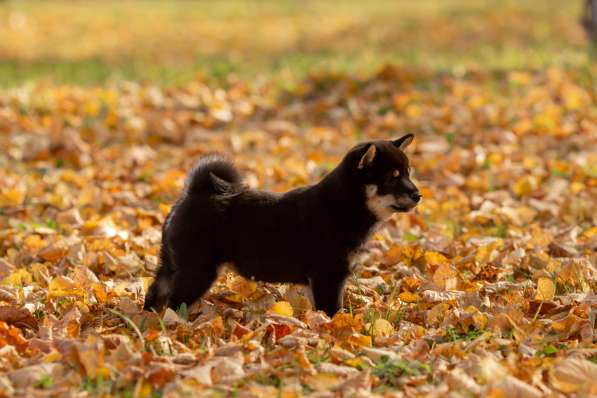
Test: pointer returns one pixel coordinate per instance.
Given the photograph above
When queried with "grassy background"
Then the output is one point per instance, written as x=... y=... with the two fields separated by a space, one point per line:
x=172 y=42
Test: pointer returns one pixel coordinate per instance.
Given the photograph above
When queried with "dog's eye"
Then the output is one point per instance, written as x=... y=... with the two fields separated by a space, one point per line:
x=396 y=173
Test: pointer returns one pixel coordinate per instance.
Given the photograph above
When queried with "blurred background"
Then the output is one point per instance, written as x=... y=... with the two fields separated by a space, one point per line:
x=83 y=42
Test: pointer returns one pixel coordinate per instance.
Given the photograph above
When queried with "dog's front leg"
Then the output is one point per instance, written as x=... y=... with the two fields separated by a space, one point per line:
x=327 y=287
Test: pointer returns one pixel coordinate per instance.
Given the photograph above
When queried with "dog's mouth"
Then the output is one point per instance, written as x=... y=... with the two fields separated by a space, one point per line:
x=401 y=209
x=403 y=204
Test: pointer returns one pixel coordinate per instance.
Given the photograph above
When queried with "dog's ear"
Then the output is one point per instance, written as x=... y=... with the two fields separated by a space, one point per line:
x=403 y=141
x=220 y=185
x=367 y=158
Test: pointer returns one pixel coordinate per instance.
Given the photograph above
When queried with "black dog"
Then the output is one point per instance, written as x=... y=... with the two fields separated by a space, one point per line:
x=304 y=236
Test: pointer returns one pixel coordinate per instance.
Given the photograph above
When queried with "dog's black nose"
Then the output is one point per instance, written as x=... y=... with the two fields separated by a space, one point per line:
x=416 y=196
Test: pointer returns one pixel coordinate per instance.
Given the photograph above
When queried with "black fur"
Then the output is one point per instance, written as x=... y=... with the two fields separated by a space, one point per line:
x=304 y=236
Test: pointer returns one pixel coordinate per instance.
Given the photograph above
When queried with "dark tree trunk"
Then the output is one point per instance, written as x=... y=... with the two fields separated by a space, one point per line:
x=589 y=19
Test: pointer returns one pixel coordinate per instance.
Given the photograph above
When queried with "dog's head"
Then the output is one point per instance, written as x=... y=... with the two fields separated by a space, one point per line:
x=385 y=172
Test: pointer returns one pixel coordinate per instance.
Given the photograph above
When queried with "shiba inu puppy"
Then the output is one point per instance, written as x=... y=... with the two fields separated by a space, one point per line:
x=303 y=236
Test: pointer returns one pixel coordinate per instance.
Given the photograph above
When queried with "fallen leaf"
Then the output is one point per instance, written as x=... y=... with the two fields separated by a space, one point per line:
x=282 y=308
x=546 y=289
x=574 y=375
x=382 y=328
x=62 y=286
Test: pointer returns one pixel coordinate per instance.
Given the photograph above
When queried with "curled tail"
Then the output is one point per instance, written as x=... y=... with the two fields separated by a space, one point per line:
x=212 y=175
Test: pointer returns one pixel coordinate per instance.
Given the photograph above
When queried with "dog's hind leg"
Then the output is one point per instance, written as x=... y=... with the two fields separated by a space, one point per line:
x=328 y=289
x=191 y=283
x=158 y=292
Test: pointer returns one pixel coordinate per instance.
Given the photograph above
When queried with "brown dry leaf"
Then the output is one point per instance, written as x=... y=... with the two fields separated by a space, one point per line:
x=323 y=381
x=393 y=254
x=170 y=317
x=227 y=369
x=91 y=357
x=446 y=277
x=30 y=375
x=357 y=385
x=432 y=296
x=573 y=375
x=510 y=386
x=17 y=316
x=202 y=374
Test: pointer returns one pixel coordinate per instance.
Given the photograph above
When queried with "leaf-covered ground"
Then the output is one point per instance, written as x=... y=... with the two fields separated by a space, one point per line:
x=487 y=289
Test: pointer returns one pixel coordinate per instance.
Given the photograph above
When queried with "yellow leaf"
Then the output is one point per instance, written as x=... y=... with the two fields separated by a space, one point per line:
x=356 y=363
x=413 y=111
x=409 y=297
x=437 y=313
x=52 y=356
x=382 y=328
x=57 y=200
x=143 y=390
x=411 y=254
x=524 y=186
x=242 y=286
x=523 y=126
x=62 y=286
x=573 y=97
x=12 y=197
x=546 y=289
x=591 y=232
x=485 y=253
x=172 y=180
x=147 y=281
x=519 y=78
x=18 y=278
x=100 y=292
x=577 y=187
x=479 y=319
x=34 y=242
x=435 y=258
x=344 y=321
x=282 y=308
x=165 y=208
x=360 y=340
